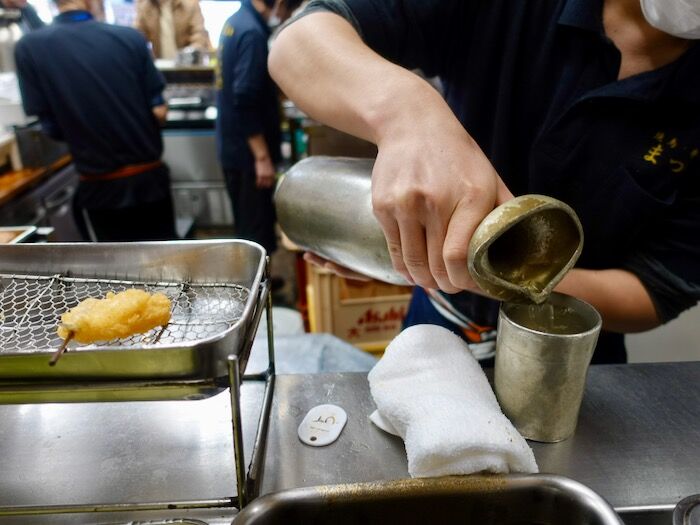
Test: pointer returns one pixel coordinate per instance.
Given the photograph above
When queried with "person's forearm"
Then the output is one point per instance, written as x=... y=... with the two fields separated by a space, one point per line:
x=431 y=183
x=343 y=83
x=619 y=296
x=258 y=147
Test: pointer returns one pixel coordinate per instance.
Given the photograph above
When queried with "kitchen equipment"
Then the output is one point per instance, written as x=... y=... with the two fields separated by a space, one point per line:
x=219 y=290
x=687 y=512
x=542 y=357
x=46 y=204
x=482 y=500
x=521 y=251
x=216 y=290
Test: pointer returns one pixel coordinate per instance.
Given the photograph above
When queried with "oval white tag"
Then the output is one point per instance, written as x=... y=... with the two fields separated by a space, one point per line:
x=322 y=425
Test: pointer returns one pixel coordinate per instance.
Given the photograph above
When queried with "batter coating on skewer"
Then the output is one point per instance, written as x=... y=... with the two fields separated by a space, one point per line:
x=116 y=316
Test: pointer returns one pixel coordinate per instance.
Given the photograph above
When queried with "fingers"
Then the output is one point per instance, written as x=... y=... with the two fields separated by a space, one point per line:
x=393 y=241
x=414 y=252
x=435 y=234
x=455 y=249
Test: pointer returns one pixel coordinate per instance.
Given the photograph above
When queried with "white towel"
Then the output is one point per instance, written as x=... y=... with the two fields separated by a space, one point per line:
x=430 y=391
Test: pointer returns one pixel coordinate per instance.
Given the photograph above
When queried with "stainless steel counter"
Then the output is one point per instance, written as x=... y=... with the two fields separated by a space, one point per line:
x=55 y=454
x=636 y=445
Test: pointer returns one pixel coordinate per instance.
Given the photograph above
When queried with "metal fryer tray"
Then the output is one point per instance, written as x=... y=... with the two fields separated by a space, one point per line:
x=216 y=288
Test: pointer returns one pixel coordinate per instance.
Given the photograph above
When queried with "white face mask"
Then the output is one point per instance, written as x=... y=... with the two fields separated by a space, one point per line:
x=273 y=21
x=680 y=18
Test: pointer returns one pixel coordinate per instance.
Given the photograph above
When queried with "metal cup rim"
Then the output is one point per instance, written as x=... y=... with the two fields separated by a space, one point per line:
x=578 y=335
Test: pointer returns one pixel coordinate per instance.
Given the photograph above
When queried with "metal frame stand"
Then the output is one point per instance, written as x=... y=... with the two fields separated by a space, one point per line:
x=247 y=480
x=249 y=484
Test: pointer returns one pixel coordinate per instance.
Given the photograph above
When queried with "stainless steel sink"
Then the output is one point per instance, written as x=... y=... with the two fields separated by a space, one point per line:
x=473 y=500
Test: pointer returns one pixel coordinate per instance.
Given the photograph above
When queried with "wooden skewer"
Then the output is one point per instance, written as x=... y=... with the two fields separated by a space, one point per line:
x=60 y=351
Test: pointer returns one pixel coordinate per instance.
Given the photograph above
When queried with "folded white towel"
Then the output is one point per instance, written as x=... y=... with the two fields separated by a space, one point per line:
x=430 y=391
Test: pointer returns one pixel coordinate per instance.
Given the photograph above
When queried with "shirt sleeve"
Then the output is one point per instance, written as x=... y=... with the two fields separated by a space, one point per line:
x=668 y=262
x=250 y=77
x=416 y=34
x=34 y=100
x=153 y=79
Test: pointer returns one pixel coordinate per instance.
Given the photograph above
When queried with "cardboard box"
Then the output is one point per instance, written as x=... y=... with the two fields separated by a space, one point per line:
x=366 y=314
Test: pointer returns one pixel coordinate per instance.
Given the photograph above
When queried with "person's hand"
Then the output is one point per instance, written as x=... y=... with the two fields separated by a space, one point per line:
x=431 y=187
x=341 y=271
x=264 y=173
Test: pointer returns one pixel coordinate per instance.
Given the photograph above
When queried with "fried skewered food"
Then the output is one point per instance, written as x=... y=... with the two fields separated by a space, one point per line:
x=114 y=317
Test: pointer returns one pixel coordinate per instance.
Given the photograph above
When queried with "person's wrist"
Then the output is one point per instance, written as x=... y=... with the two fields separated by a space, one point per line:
x=262 y=158
x=411 y=106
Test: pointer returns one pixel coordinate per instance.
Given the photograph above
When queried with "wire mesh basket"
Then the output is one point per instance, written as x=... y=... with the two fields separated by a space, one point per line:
x=31 y=307
x=215 y=288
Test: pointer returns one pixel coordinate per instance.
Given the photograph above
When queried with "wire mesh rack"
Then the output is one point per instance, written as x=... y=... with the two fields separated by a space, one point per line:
x=31 y=307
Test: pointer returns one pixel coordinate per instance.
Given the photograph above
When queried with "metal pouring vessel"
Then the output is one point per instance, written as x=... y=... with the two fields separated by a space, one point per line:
x=520 y=251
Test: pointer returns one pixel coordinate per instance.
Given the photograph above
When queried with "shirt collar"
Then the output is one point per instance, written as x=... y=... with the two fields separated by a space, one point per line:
x=583 y=14
x=678 y=79
x=258 y=17
x=68 y=17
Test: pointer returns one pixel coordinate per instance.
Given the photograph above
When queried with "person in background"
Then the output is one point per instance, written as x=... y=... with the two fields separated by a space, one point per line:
x=171 y=25
x=29 y=20
x=248 y=121
x=95 y=86
x=594 y=102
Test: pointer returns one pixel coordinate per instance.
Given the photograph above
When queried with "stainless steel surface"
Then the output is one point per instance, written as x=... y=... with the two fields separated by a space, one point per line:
x=238 y=450
x=246 y=479
x=635 y=443
x=482 y=500
x=540 y=375
x=58 y=454
x=197 y=182
x=522 y=249
x=190 y=352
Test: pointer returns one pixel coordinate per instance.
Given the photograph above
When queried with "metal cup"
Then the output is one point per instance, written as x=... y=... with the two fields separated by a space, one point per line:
x=542 y=356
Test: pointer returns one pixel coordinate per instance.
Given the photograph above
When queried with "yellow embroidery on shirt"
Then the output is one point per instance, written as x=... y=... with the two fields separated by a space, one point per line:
x=676 y=165
x=653 y=153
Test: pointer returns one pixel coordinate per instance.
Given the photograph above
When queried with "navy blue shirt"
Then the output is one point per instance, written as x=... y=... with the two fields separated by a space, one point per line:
x=94 y=85
x=535 y=83
x=247 y=97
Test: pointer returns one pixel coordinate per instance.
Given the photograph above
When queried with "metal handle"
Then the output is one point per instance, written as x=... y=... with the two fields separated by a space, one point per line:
x=249 y=337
